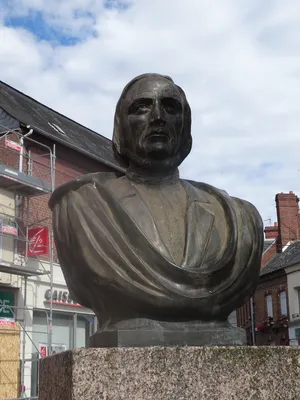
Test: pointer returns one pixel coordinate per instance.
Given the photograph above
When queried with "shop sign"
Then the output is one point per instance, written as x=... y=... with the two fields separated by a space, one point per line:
x=38 y=241
x=43 y=350
x=6 y=300
x=56 y=348
x=9 y=230
x=60 y=297
x=4 y=322
x=12 y=145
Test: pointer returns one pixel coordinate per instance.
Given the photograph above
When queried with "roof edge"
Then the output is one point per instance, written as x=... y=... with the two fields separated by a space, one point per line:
x=79 y=150
x=41 y=131
x=51 y=109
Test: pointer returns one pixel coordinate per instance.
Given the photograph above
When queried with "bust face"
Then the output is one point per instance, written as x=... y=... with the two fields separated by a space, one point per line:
x=155 y=118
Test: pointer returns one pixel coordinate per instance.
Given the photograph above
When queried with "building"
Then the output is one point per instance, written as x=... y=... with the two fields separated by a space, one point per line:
x=272 y=298
x=281 y=243
x=292 y=270
x=39 y=150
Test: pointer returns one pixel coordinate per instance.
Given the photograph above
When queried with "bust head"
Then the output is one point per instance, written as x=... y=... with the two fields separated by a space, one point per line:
x=152 y=123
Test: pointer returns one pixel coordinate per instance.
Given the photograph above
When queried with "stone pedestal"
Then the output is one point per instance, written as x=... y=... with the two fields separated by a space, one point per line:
x=177 y=373
x=171 y=334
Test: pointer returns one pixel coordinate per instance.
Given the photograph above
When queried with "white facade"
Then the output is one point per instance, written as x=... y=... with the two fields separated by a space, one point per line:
x=293 y=281
x=7 y=215
x=72 y=323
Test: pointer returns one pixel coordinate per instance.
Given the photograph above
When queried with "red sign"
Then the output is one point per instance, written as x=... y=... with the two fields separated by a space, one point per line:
x=43 y=350
x=38 y=241
x=4 y=322
x=10 y=230
x=12 y=145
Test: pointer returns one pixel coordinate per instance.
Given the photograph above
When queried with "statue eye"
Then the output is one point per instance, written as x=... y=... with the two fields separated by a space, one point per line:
x=170 y=109
x=172 y=106
x=140 y=107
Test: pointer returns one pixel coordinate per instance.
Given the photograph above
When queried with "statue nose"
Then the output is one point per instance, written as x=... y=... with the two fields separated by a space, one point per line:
x=157 y=113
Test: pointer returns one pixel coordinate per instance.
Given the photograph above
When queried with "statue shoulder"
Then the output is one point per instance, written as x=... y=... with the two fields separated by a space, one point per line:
x=251 y=211
x=235 y=202
x=97 y=178
x=209 y=190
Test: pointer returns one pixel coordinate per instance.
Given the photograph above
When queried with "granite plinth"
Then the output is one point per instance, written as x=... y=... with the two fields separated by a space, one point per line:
x=177 y=373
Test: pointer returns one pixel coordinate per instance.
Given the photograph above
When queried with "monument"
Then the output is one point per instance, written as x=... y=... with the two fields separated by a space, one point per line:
x=160 y=260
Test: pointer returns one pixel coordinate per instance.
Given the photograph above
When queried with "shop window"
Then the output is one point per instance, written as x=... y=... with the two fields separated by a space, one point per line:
x=70 y=330
x=1 y=236
x=283 y=303
x=269 y=304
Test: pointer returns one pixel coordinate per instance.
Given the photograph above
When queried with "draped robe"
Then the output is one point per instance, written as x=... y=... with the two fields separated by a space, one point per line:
x=116 y=263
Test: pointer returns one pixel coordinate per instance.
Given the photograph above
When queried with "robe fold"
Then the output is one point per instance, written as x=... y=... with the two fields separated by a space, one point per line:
x=110 y=249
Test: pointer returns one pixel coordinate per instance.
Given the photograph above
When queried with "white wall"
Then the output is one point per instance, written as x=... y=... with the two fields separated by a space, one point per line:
x=293 y=281
x=7 y=209
x=36 y=288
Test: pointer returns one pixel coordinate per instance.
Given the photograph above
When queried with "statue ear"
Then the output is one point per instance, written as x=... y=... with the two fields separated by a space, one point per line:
x=116 y=135
x=186 y=140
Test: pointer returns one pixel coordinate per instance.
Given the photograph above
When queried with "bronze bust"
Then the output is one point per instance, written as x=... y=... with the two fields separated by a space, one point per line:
x=146 y=250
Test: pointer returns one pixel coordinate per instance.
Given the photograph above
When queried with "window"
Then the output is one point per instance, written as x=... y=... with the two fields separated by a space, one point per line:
x=269 y=306
x=1 y=236
x=283 y=303
x=298 y=311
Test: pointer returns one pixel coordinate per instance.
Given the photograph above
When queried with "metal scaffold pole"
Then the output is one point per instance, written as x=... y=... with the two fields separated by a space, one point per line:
x=252 y=321
x=51 y=247
x=51 y=291
x=28 y=177
x=24 y=340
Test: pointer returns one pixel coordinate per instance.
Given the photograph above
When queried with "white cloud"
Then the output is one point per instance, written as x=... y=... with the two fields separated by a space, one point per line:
x=238 y=62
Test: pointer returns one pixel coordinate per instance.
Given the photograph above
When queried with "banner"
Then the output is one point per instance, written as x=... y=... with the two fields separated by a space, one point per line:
x=12 y=145
x=38 y=241
x=9 y=230
x=43 y=350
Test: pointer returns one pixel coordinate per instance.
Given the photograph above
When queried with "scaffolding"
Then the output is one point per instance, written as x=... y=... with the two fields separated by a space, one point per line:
x=27 y=171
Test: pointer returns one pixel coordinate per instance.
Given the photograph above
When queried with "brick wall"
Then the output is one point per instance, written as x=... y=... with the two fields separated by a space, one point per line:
x=287 y=205
x=272 y=287
x=276 y=333
x=271 y=233
x=9 y=157
x=286 y=230
x=269 y=254
x=68 y=166
x=288 y=226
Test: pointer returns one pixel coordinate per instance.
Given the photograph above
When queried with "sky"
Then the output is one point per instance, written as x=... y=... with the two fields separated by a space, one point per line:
x=238 y=62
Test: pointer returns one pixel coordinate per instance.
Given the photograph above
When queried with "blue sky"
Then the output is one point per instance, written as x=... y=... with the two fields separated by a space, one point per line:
x=35 y=23
x=238 y=62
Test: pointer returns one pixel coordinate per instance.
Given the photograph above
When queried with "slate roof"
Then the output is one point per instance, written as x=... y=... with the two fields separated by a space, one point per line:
x=267 y=244
x=282 y=260
x=43 y=120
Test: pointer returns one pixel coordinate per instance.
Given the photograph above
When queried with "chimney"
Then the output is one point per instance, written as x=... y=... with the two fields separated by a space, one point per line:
x=288 y=218
x=271 y=232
